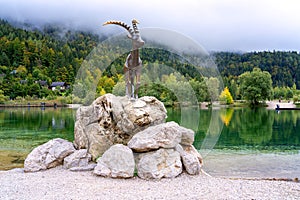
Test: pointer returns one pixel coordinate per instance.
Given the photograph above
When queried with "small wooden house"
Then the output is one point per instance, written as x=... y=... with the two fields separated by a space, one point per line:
x=61 y=85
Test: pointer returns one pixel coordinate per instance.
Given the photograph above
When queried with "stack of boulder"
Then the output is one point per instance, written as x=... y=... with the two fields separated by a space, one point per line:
x=159 y=151
x=113 y=120
x=124 y=137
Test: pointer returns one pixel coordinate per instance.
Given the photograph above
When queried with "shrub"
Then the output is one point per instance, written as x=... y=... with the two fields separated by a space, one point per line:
x=76 y=99
x=296 y=99
x=51 y=97
x=18 y=98
x=62 y=100
x=28 y=98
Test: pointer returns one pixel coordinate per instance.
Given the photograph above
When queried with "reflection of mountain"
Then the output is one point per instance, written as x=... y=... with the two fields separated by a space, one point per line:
x=256 y=126
x=226 y=115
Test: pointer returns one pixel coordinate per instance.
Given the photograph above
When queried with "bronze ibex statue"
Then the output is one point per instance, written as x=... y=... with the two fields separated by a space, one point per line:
x=133 y=64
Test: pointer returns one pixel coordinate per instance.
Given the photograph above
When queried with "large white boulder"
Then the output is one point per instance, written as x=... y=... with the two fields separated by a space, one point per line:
x=159 y=164
x=116 y=162
x=166 y=135
x=48 y=155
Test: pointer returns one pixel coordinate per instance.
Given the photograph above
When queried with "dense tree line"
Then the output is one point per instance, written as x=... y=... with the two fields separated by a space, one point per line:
x=284 y=67
x=29 y=56
x=54 y=54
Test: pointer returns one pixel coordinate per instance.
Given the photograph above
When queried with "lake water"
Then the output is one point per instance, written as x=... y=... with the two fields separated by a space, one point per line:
x=233 y=142
x=22 y=129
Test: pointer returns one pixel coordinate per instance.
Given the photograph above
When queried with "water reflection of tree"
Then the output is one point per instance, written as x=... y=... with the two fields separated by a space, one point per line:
x=204 y=121
x=262 y=128
x=286 y=128
x=255 y=126
x=259 y=128
x=209 y=131
x=192 y=118
x=226 y=115
x=27 y=128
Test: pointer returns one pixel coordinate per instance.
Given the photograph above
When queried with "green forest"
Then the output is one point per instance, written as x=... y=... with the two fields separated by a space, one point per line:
x=31 y=60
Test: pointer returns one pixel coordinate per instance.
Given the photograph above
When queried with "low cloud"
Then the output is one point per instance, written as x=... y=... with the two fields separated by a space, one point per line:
x=217 y=25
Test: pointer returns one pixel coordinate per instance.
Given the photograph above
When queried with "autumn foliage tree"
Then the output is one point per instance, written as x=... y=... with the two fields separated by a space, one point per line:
x=226 y=97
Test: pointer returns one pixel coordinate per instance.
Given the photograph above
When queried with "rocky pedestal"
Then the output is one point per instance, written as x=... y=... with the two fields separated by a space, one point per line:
x=125 y=136
x=170 y=150
x=160 y=151
x=114 y=120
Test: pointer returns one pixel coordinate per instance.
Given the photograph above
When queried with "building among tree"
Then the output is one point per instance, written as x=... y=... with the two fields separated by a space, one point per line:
x=60 y=85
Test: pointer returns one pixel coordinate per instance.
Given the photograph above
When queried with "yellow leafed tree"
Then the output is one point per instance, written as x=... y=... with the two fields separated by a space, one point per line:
x=226 y=97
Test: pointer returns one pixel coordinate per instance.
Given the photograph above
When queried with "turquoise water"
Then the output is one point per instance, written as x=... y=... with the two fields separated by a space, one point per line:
x=233 y=142
x=246 y=142
x=23 y=129
x=245 y=129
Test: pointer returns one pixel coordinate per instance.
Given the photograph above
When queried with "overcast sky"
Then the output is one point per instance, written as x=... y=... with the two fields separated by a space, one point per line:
x=218 y=25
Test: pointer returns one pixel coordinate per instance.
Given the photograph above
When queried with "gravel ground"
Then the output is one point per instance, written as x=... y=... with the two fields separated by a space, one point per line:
x=58 y=183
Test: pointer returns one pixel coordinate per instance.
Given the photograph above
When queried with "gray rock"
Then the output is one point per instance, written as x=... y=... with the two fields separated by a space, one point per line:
x=89 y=167
x=102 y=170
x=166 y=135
x=191 y=149
x=191 y=159
x=79 y=158
x=116 y=162
x=188 y=136
x=158 y=164
x=48 y=155
x=112 y=120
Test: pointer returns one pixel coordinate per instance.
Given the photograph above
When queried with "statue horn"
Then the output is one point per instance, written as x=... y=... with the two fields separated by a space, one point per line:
x=134 y=25
x=124 y=25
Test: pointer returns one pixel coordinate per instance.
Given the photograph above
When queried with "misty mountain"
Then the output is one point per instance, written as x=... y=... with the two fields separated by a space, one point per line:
x=54 y=53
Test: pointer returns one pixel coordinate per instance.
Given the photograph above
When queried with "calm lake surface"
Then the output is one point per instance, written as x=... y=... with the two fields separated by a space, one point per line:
x=234 y=142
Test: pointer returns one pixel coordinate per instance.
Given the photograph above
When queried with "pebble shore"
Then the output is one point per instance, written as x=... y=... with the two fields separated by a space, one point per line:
x=58 y=183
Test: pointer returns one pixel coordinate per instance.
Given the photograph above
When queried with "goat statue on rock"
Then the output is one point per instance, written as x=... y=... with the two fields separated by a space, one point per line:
x=133 y=64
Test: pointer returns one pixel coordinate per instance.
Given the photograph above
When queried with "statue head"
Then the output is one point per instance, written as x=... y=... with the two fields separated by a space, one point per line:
x=134 y=34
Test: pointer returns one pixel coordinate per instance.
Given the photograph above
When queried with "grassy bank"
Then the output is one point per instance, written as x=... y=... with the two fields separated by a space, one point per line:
x=34 y=103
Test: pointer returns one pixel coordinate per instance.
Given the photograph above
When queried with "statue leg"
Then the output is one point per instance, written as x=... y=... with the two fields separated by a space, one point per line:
x=131 y=74
x=138 y=80
x=127 y=82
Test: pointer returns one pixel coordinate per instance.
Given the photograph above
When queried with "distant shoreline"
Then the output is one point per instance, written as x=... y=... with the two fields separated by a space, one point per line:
x=202 y=105
x=274 y=104
x=29 y=106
